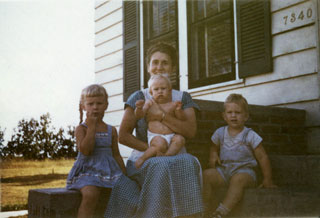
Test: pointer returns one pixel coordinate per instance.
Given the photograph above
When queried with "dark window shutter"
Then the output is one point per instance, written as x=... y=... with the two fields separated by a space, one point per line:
x=254 y=37
x=131 y=48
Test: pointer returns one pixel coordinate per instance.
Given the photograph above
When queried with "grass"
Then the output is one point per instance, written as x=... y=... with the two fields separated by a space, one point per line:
x=18 y=176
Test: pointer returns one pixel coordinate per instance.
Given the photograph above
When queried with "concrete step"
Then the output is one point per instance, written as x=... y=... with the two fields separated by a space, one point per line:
x=278 y=202
x=296 y=170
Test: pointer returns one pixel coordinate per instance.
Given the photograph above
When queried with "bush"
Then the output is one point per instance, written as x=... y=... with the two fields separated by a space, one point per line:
x=37 y=140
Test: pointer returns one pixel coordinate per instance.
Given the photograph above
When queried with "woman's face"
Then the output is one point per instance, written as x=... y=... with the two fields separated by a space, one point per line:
x=160 y=63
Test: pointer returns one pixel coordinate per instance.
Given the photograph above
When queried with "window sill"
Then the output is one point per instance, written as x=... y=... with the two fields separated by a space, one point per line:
x=216 y=87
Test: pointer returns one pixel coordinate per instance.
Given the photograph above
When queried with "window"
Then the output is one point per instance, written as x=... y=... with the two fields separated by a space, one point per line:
x=211 y=42
x=211 y=39
x=160 y=24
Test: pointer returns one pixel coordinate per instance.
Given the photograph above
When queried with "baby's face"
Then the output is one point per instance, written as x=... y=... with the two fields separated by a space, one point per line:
x=160 y=90
x=235 y=115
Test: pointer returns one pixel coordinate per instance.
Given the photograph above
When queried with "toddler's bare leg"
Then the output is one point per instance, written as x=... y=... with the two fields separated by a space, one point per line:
x=157 y=144
x=90 y=196
x=211 y=180
x=238 y=183
x=177 y=142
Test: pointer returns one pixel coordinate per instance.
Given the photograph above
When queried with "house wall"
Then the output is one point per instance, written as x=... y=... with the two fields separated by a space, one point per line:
x=294 y=82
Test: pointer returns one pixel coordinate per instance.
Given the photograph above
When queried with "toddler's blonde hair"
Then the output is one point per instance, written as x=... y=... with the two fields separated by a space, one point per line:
x=94 y=90
x=237 y=99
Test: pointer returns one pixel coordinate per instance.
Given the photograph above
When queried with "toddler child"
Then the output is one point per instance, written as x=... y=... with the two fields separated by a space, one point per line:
x=161 y=139
x=99 y=164
x=233 y=156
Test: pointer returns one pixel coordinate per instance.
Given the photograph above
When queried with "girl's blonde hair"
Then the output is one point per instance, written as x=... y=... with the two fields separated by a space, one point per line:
x=94 y=90
x=159 y=76
x=238 y=99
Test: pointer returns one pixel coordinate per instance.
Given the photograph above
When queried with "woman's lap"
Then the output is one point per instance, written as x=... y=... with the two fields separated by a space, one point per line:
x=162 y=187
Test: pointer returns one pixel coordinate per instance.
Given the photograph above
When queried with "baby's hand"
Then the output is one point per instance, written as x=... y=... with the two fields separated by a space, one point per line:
x=178 y=105
x=139 y=103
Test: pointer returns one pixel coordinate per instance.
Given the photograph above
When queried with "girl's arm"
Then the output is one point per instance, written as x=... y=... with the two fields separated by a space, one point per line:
x=85 y=137
x=115 y=150
x=264 y=162
x=126 y=128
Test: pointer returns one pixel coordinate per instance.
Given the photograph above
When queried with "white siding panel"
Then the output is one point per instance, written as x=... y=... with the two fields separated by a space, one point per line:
x=108 y=34
x=275 y=93
x=114 y=88
x=99 y=3
x=113 y=118
x=291 y=18
x=109 y=75
x=279 y=4
x=115 y=102
x=109 y=61
x=287 y=66
x=107 y=8
x=293 y=41
x=108 y=47
x=107 y=21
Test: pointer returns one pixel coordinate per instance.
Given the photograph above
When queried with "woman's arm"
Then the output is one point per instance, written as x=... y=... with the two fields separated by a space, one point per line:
x=125 y=132
x=187 y=127
x=115 y=150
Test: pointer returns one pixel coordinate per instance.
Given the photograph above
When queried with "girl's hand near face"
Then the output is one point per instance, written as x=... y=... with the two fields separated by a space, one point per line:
x=91 y=120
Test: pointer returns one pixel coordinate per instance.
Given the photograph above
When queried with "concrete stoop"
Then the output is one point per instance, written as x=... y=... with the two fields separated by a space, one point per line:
x=277 y=202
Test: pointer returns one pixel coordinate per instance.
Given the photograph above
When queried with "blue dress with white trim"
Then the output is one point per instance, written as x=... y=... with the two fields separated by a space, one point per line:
x=98 y=169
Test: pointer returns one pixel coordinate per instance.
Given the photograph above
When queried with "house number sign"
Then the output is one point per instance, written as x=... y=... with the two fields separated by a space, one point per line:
x=293 y=17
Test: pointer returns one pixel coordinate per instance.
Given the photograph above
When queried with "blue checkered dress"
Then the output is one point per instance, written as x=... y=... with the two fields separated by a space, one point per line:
x=162 y=187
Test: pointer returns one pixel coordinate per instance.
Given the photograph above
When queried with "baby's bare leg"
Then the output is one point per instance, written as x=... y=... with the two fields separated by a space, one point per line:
x=238 y=183
x=157 y=144
x=177 y=142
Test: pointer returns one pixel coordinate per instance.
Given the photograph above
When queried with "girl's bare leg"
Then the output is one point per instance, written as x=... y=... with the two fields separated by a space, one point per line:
x=90 y=197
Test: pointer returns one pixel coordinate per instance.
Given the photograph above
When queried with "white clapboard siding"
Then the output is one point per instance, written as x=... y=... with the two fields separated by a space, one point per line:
x=113 y=31
x=115 y=103
x=111 y=74
x=284 y=67
x=294 y=41
x=100 y=3
x=283 y=20
x=113 y=117
x=109 y=61
x=109 y=46
x=114 y=87
x=114 y=16
x=107 y=8
x=278 y=5
x=274 y=93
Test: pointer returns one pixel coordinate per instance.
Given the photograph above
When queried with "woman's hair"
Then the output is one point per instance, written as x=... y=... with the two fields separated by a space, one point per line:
x=163 y=48
x=238 y=99
x=159 y=76
x=93 y=90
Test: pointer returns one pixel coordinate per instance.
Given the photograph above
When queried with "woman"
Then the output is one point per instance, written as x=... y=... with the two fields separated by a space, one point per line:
x=167 y=186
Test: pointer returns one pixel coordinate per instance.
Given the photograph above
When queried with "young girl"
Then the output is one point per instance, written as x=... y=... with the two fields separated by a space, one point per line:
x=99 y=164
